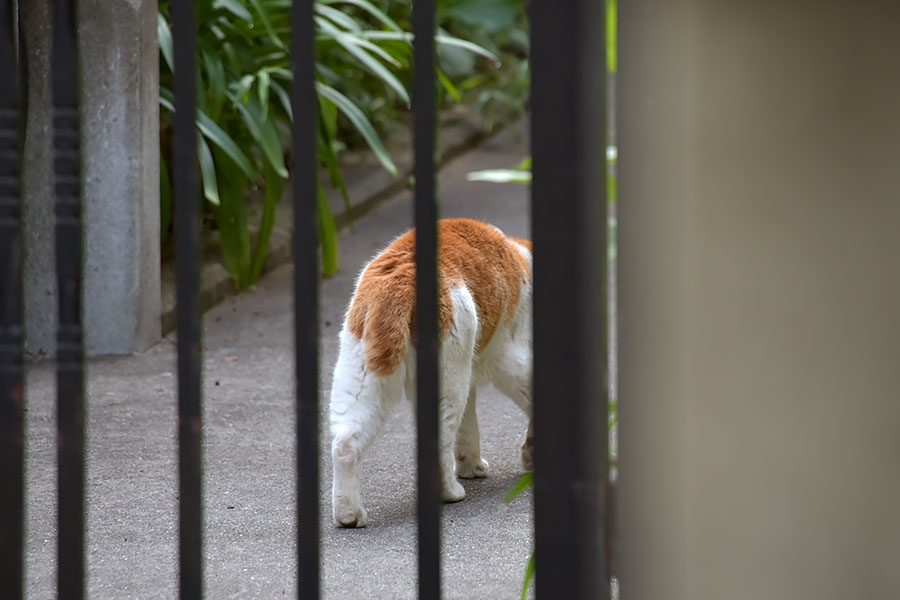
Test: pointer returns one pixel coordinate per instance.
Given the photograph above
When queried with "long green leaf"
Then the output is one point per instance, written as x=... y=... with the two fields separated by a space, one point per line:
x=231 y=54
x=270 y=59
x=500 y=176
x=357 y=39
x=327 y=233
x=326 y=153
x=329 y=113
x=217 y=136
x=369 y=8
x=524 y=482
x=207 y=172
x=448 y=86
x=201 y=89
x=242 y=87
x=280 y=72
x=274 y=185
x=529 y=575
x=283 y=97
x=231 y=220
x=166 y=99
x=264 y=132
x=215 y=76
x=164 y=35
x=394 y=36
x=213 y=133
x=447 y=40
x=368 y=61
x=360 y=122
x=337 y=17
x=263 y=92
x=235 y=8
x=267 y=23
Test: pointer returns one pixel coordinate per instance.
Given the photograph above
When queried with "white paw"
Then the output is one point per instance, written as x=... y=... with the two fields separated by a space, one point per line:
x=349 y=514
x=528 y=455
x=453 y=491
x=469 y=468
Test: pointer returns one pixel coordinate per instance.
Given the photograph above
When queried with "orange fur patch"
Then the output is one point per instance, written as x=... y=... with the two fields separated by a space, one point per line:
x=470 y=253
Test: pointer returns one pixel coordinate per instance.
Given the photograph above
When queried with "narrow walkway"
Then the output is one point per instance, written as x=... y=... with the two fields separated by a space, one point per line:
x=249 y=448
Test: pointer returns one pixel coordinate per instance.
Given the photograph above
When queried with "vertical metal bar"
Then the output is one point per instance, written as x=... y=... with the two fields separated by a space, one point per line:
x=187 y=257
x=306 y=296
x=427 y=380
x=568 y=138
x=69 y=352
x=12 y=423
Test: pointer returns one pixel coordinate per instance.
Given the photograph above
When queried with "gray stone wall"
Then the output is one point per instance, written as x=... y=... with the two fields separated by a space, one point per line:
x=120 y=157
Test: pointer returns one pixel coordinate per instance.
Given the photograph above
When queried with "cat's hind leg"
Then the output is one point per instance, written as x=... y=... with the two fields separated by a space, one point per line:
x=469 y=463
x=513 y=379
x=360 y=402
x=457 y=356
x=457 y=351
x=450 y=411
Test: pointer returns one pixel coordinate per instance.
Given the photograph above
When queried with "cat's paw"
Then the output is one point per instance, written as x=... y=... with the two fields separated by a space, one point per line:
x=349 y=514
x=528 y=455
x=452 y=491
x=470 y=468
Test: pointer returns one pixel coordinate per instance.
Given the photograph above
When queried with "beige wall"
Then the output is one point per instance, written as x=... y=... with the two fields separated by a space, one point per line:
x=759 y=299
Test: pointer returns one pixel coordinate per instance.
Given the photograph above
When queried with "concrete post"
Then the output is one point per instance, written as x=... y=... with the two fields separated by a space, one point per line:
x=759 y=221
x=120 y=133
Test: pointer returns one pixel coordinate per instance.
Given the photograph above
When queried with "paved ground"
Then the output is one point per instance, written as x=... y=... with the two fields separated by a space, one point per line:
x=249 y=449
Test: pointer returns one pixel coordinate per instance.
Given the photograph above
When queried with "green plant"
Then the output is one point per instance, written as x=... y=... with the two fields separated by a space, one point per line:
x=527 y=481
x=500 y=26
x=244 y=112
x=521 y=173
x=523 y=483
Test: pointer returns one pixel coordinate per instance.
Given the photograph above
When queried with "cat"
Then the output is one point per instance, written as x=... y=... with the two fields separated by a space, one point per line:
x=484 y=306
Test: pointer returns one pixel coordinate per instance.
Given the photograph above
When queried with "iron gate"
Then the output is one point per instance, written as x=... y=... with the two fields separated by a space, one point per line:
x=568 y=129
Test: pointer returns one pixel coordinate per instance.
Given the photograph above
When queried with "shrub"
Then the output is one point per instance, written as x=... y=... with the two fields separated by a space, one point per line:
x=244 y=113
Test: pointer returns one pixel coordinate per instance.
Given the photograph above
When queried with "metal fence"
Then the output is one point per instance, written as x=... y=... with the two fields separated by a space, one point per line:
x=568 y=229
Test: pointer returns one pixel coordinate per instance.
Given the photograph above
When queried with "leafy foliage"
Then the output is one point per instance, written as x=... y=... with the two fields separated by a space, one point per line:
x=500 y=26
x=521 y=173
x=244 y=111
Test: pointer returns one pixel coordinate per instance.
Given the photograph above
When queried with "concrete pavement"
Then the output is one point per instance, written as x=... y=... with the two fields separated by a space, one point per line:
x=249 y=448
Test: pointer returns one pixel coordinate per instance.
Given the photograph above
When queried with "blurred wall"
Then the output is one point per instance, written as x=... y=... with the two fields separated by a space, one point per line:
x=759 y=232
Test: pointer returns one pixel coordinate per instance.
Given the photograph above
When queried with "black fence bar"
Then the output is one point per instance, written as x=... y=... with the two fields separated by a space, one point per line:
x=12 y=424
x=427 y=378
x=306 y=295
x=187 y=258
x=69 y=351
x=568 y=139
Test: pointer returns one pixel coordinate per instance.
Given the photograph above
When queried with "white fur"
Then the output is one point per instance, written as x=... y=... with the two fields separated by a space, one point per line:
x=361 y=401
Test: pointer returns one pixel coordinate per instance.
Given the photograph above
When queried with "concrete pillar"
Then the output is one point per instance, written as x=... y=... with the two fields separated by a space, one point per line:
x=759 y=220
x=120 y=145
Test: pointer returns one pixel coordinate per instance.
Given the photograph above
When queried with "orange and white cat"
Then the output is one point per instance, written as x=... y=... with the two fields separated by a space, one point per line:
x=484 y=301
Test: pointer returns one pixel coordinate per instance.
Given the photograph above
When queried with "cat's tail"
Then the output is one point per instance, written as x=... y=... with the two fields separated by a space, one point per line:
x=386 y=330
